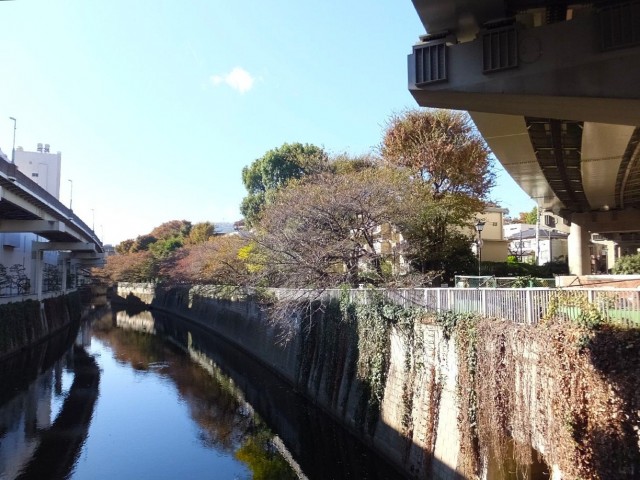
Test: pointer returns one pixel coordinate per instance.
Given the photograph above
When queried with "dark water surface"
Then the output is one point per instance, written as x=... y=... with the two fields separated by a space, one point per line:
x=148 y=397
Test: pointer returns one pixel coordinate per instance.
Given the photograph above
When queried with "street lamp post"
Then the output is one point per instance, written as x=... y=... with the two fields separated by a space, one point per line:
x=93 y=220
x=479 y=228
x=71 y=195
x=13 y=149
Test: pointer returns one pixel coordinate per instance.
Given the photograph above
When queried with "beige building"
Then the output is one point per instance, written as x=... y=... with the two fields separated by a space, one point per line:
x=494 y=247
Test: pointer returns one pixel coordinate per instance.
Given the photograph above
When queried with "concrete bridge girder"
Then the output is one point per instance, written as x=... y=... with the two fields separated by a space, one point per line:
x=24 y=204
x=65 y=246
x=602 y=150
x=44 y=228
x=34 y=226
x=23 y=199
x=552 y=87
x=561 y=73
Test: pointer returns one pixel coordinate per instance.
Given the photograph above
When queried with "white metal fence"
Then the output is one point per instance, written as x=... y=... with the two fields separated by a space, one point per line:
x=520 y=305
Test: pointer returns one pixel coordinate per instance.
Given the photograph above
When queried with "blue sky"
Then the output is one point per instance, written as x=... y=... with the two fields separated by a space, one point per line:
x=157 y=105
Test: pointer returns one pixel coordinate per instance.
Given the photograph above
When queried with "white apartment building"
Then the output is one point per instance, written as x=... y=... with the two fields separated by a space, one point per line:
x=41 y=166
x=16 y=254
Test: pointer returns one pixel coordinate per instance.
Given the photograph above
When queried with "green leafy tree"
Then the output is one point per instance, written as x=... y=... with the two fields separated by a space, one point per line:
x=530 y=218
x=161 y=249
x=274 y=170
x=433 y=230
x=627 y=265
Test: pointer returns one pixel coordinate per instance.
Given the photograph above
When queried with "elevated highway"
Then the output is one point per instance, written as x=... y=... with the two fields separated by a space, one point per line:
x=553 y=88
x=25 y=207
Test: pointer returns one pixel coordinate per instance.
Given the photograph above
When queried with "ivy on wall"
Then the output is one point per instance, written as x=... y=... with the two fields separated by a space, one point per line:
x=569 y=382
x=568 y=385
x=345 y=342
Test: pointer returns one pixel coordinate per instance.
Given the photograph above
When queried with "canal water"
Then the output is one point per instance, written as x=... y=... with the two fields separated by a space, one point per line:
x=143 y=396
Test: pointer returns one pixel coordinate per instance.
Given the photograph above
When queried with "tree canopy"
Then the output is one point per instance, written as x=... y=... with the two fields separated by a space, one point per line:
x=149 y=257
x=442 y=148
x=317 y=219
x=449 y=163
x=200 y=233
x=320 y=231
x=530 y=217
x=274 y=170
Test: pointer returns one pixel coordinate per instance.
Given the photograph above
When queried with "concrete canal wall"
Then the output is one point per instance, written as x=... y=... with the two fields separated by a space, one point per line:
x=434 y=390
x=24 y=323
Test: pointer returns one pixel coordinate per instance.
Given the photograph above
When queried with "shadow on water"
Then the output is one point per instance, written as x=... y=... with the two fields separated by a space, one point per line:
x=61 y=443
x=33 y=445
x=320 y=447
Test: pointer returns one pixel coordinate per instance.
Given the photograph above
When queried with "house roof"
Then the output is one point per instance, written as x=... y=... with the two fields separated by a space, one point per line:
x=531 y=233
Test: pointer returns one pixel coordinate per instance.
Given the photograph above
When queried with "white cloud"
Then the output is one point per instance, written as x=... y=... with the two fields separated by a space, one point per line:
x=238 y=79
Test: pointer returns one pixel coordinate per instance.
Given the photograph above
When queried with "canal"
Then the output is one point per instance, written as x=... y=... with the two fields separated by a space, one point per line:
x=144 y=396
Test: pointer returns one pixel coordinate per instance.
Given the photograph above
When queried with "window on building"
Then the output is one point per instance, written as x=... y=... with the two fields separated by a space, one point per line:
x=549 y=221
x=34 y=174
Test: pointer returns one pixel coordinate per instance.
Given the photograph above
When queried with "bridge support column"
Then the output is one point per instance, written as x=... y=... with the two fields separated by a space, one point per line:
x=64 y=274
x=39 y=270
x=579 y=255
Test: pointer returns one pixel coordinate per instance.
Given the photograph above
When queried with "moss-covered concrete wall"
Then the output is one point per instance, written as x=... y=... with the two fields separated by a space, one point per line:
x=25 y=323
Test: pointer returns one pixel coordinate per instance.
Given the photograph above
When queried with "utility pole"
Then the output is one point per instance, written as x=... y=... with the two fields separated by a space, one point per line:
x=71 y=195
x=13 y=149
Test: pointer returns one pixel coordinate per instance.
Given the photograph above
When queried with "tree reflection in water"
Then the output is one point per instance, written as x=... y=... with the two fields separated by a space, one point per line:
x=226 y=422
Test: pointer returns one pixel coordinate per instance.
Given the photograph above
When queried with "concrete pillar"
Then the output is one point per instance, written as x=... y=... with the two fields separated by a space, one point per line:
x=612 y=250
x=64 y=274
x=39 y=270
x=579 y=257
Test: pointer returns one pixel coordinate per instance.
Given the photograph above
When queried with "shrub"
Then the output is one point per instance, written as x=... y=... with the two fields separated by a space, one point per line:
x=627 y=265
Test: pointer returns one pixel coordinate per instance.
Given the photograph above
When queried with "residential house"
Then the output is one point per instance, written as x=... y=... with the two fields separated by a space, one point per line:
x=494 y=247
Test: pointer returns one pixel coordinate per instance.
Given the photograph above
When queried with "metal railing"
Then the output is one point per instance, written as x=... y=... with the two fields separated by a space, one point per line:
x=519 y=305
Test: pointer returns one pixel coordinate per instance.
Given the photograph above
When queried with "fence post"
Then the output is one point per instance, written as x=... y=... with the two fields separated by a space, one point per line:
x=438 y=300
x=483 y=301
x=529 y=307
